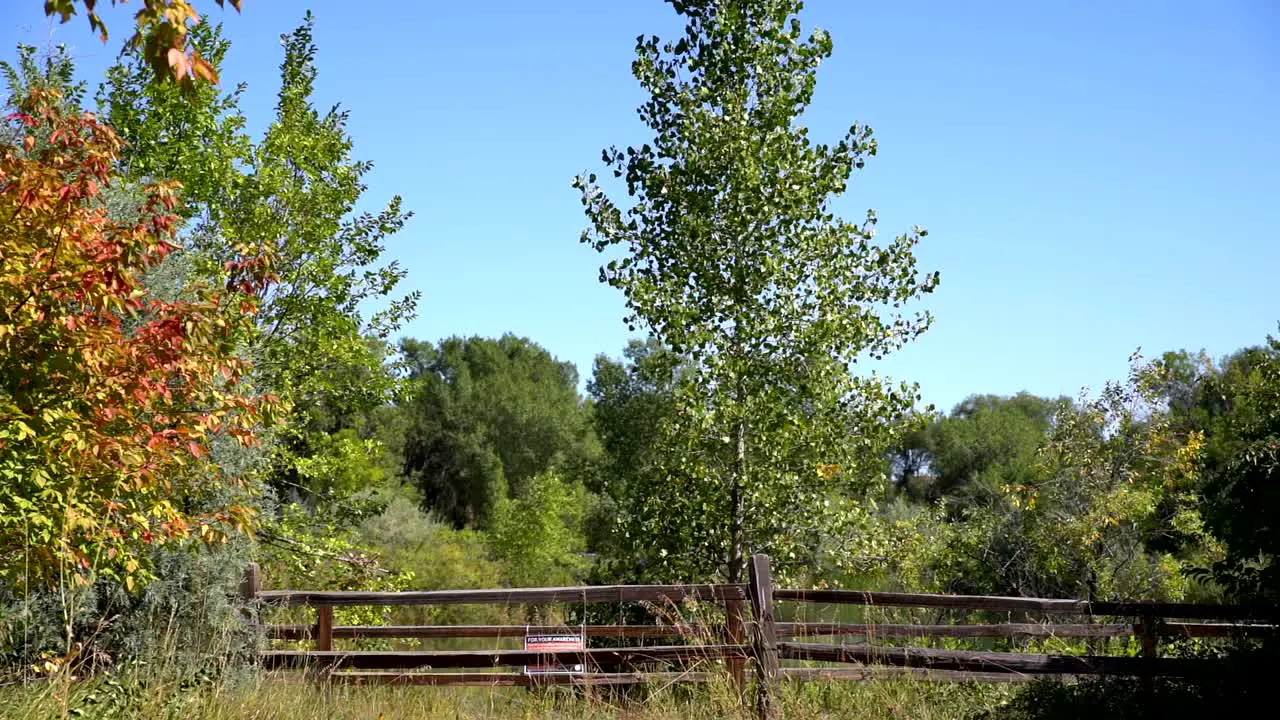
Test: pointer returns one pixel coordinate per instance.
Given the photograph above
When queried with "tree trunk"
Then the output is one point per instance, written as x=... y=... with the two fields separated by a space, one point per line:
x=736 y=557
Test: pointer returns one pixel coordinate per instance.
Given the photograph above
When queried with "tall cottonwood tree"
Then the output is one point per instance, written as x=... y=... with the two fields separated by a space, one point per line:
x=731 y=255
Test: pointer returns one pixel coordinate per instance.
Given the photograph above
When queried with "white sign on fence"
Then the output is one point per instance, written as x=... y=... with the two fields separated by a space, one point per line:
x=551 y=643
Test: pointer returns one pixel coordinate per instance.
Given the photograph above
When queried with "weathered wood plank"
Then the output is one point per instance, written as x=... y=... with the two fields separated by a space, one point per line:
x=783 y=629
x=1025 y=604
x=250 y=586
x=305 y=632
x=1210 y=630
x=765 y=639
x=410 y=659
x=324 y=628
x=515 y=679
x=250 y=583
x=872 y=673
x=508 y=596
x=965 y=661
x=793 y=629
x=736 y=633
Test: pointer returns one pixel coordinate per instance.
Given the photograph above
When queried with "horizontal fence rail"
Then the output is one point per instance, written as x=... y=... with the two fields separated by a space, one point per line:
x=879 y=672
x=506 y=596
x=997 y=630
x=994 y=630
x=516 y=679
x=999 y=662
x=299 y=632
x=408 y=659
x=426 y=632
x=1198 y=611
x=512 y=679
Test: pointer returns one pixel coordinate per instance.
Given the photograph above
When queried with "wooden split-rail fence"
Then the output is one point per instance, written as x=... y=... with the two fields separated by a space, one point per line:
x=752 y=645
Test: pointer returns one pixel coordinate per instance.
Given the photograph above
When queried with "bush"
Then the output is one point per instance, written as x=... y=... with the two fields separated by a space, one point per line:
x=188 y=619
x=434 y=556
x=537 y=537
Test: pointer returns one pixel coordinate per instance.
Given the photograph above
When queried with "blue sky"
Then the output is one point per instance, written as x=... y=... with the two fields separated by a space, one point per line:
x=1095 y=176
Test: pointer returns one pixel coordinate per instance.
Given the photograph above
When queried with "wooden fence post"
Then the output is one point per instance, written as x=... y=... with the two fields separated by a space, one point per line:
x=737 y=630
x=1150 y=633
x=250 y=586
x=324 y=627
x=1149 y=636
x=765 y=640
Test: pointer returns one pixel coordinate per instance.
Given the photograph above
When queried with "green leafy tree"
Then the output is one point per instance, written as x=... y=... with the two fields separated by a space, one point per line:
x=1232 y=404
x=908 y=462
x=1236 y=407
x=1089 y=514
x=291 y=196
x=731 y=256
x=487 y=416
x=537 y=537
x=631 y=399
x=986 y=443
x=33 y=71
x=196 y=135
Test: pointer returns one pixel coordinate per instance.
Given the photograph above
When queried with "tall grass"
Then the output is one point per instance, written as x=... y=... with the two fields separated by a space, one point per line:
x=260 y=697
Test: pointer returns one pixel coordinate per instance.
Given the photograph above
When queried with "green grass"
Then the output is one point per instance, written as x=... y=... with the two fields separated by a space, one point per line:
x=252 y=696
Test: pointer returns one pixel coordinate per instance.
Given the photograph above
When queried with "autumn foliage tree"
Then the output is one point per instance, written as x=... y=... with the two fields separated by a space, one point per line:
x=161 y=36
x=109 y=397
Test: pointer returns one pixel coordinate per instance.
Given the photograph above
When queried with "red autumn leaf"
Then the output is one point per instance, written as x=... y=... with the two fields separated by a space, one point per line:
x=22 y=117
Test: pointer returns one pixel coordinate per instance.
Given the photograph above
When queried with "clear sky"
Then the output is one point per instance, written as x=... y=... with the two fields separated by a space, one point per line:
x=1096 y=176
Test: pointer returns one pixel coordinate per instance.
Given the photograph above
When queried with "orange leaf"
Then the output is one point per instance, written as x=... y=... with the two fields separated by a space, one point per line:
x=204 y=70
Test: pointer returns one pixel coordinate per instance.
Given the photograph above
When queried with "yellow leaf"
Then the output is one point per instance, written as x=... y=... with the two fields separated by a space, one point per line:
x=24 y=430
x=826 y=472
